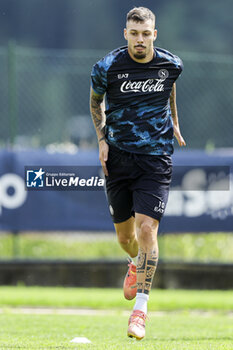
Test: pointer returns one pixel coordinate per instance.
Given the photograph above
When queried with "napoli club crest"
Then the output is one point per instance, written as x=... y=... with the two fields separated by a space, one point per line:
x=163 y=74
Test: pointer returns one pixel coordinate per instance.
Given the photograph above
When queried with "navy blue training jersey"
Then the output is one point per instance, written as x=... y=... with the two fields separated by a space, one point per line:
x=138 y=115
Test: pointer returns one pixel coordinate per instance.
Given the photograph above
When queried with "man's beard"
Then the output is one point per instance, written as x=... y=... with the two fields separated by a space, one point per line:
x=140 y=55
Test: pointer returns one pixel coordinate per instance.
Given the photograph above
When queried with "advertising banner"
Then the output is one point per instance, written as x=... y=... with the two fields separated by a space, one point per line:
x=41 y=191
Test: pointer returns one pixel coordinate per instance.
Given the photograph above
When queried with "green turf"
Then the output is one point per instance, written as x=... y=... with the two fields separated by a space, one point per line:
x=174 y=330
x=163 y=332
x=186 y=247
x=113 y=298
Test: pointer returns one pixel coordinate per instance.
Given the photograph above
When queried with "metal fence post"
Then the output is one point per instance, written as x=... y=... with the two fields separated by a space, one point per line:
x=12 y=103
x=15 y=244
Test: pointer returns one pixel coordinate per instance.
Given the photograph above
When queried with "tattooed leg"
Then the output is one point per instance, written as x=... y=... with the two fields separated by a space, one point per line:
x=148 y=252
x=146 y=266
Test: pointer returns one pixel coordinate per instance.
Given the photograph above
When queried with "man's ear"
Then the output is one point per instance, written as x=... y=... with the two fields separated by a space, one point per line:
x=155 y=34
x=125 y=34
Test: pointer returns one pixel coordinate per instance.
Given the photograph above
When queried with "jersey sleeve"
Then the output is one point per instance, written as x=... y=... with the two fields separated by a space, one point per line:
x=179 y=66
x=99 y=79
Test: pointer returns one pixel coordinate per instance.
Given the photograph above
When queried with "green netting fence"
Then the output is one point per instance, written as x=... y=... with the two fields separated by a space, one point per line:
x=44 y=98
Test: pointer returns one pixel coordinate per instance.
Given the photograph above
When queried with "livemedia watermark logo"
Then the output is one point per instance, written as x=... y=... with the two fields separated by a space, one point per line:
x=91 y=178
x=35 y=178
x=64 y=178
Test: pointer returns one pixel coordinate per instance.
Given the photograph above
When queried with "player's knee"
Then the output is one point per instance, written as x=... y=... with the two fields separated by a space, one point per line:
x=147 y=234
x=124 y=238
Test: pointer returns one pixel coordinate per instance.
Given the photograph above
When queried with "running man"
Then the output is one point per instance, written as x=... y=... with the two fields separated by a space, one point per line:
x=135 y=134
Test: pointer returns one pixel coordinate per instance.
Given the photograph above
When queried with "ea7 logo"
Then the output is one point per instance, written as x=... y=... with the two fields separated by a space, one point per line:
x=160 y=208
x=121 y=76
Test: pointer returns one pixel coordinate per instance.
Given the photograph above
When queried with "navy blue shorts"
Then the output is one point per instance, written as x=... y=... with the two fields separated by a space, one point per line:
x=137 y=183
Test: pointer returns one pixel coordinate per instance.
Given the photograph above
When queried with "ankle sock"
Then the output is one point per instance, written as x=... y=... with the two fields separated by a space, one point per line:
x=141 y=302
x=135 y=260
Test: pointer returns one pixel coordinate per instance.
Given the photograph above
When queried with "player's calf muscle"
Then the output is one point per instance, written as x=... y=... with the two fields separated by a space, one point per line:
x=146 y=267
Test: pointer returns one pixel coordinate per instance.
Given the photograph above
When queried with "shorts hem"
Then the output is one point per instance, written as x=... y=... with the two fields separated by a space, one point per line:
x=117 y=221
x=154 y=216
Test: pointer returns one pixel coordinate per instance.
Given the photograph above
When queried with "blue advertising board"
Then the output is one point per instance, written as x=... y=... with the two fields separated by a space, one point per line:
x=200 y=200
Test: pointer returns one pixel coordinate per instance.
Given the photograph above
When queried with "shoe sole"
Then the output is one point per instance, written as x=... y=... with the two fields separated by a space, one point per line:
x=129 y=297
x=128 y=292
x=130 y=335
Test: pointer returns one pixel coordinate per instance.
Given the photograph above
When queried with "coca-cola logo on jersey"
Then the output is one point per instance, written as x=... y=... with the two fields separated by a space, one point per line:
x=149 y=85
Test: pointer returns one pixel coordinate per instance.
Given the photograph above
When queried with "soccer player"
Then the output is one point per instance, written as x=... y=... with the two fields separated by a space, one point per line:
x=135 y=133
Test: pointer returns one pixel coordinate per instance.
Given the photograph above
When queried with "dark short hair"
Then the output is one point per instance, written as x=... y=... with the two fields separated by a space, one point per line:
x=140 y=14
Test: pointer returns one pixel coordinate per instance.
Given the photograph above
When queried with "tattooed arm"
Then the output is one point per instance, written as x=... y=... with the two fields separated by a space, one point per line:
x=174 y=113
x=98 y=117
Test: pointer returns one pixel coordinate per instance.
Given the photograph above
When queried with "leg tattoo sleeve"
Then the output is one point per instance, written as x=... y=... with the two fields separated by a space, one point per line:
x=146 y=266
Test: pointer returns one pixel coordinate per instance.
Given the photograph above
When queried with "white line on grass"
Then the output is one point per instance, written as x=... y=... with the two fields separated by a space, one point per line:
x=93 y=312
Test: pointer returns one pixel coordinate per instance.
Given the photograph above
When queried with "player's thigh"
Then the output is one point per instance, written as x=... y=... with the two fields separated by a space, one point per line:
x=120 y=200
x=125 y=230
x=151 y=189
x=151 y=204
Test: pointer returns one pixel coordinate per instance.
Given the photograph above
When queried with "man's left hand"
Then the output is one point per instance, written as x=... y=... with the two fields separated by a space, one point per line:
x=179 y=137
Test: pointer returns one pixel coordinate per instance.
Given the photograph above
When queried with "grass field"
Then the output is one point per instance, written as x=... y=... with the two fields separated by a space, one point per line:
x=97 y=298
x=165 y=332
x=193 y=320
x=49 y=318
x=183 y=247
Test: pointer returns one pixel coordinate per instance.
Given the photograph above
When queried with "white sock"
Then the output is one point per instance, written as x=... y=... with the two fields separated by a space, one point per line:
x=141 y=302
x=134 y=260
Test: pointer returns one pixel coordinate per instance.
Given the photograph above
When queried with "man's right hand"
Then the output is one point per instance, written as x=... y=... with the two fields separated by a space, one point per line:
x=103 y=155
